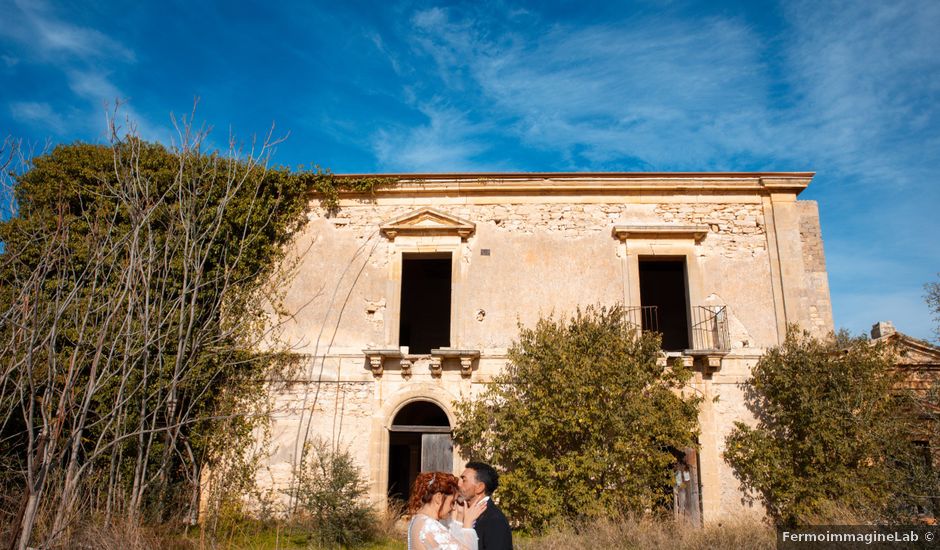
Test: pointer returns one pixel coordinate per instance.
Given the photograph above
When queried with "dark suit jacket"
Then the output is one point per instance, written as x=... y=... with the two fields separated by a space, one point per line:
x=493 y=529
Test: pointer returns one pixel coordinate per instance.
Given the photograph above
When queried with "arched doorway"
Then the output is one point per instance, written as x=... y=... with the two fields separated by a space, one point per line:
x=419 y=441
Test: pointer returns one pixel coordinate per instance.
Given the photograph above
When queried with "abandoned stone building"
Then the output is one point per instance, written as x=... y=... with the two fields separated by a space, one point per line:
x=919 y=361
x=407 y=299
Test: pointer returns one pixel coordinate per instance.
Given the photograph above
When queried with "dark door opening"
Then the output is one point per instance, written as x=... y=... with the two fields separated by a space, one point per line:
x=663 y=285
x=425 y=302
x=419 y=441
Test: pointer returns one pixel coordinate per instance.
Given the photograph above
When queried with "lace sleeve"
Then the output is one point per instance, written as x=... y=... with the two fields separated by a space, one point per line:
x=428 y=533
x=466 y=537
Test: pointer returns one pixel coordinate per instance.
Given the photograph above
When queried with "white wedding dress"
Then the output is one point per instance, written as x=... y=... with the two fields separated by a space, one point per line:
x=426 y=533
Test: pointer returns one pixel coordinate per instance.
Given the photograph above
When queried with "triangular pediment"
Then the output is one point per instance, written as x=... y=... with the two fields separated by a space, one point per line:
x=918 y=352
x=428 y=222
x=913 y=352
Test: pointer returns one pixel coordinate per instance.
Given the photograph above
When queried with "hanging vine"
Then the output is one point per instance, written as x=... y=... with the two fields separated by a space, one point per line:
x=327 y=186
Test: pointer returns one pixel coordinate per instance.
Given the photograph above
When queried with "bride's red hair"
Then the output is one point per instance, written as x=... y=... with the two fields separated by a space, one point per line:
x=428 y=483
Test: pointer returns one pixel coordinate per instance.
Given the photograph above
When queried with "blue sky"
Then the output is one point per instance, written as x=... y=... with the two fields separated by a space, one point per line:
x=850 y=90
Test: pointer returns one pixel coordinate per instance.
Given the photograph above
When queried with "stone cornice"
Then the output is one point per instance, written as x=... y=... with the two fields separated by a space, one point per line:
x=509 y=183
x=695 y=232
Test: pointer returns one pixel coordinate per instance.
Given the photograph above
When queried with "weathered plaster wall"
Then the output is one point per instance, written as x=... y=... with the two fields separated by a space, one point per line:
x=538 y=254
x=762 y=257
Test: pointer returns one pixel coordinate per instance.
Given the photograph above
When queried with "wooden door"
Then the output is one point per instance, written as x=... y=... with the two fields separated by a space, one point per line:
x=437 y=453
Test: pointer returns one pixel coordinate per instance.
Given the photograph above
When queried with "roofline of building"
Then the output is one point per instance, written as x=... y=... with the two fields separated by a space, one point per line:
x=575 y=175
x=498 y=183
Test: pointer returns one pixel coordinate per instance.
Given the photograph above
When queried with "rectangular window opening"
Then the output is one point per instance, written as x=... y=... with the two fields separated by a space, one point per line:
x=425 y=302
x=663 y=286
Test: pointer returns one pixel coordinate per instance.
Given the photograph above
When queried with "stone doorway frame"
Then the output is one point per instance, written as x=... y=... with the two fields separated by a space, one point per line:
x=382 y=424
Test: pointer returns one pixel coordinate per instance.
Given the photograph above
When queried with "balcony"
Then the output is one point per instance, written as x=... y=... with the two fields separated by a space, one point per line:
x=709 y=326
x=710 y=329
x=645 y=318
x=710 y=337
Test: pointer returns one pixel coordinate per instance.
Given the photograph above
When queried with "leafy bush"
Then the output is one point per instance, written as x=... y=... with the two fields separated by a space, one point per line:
x=331 y=497
x=138 y=284
x=833 y=431
x=582 y=421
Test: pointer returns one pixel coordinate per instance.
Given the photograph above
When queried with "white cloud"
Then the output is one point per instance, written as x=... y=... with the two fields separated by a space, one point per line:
x=93 y=85
x=859 y=85
x=447 y=142
x=669 y=93
x=868 y=78
x=85 y=56
x=392 y=57
x=32 y=22
x=31 y=112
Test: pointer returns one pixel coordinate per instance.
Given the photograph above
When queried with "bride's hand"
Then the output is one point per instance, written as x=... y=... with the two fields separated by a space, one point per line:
x=471 y=513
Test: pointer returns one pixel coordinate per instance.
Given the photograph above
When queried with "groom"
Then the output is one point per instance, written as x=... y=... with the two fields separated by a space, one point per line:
x=477 y=482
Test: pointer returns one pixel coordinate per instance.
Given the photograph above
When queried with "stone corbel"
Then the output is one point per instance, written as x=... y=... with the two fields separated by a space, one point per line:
x=377 y=357
x=664 y=360
x=406 y=364
x=435 y=366
x=465 y=356
x=466 y=366
x=708 y=361
x=375 y=363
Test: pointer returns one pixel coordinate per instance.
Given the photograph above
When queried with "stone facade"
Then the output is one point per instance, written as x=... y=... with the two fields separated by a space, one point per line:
x=522 y=246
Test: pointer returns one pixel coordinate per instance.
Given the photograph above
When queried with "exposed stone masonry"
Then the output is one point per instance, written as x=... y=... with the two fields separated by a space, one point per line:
x=813 y=257
x=352 y=398
x=735 y=229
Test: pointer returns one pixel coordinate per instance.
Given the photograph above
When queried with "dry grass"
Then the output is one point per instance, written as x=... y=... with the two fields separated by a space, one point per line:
x=392 y=525
x=128 y=536
x=744 y=533
x=740 y=534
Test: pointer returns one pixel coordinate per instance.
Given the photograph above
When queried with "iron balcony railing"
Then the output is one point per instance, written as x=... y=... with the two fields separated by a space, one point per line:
x=643 y=318
x=709 y=325
x=710 y=328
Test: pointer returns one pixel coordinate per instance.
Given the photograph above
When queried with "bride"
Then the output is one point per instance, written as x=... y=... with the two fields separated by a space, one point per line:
x=432 y=505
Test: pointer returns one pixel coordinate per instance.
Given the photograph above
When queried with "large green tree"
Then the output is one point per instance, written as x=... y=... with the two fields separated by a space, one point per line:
x=132 y=300
x=583 y=421
x=833 y=432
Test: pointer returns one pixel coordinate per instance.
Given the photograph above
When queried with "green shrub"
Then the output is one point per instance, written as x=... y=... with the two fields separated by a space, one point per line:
x=331 y=498
x=582 y=420
x=833 y=431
